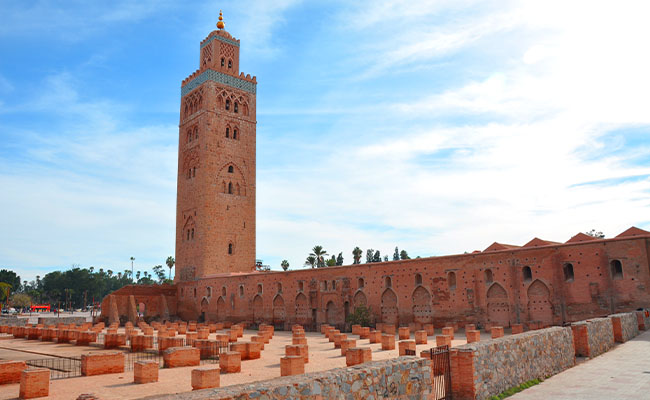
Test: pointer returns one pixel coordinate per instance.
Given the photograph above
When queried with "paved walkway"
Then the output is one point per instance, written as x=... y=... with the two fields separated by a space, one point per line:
x=621 y=373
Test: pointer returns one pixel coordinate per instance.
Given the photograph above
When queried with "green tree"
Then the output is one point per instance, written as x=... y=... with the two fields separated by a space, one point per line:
x=170 y=264
x=376 y=257
x=21 y=300
x=396 y=254
x=596 y=234
x=356 y=254
x=360 y=316
x=370 y=255
x=331 y=261
x=311 y=261
x=339 y=259
x=320 y=255
x=160 y=274
x=5 y=289
x=11 y=278
x=403 y=255
x=285 y=265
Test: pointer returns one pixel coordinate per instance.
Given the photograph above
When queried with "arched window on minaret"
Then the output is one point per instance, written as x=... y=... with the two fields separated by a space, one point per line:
x=229 y=187
x=234 y=133
x=229 y=248
x=223 y=61
x=231 y=169
x=227 y=104
x=227 y=132
x=236 y=107
x=196 y=132
x=193 y=172
x=229 y=64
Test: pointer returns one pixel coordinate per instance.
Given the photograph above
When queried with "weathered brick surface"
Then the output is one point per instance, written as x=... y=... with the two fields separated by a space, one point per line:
x=625 y=326
x=145 y=371
x=387 y=342
x=105 y=362
x=486 y=368
x=358 y=355
x=114 y=340
x=165 y=343
x=473 y=336
x=404 y=333
x=338 y=338
x=397 y=378
x=34 y=383
x=346 y=344
x=10 y=371
x=406 y=345
x=443 y=340
x=593 y=337
x=205 y=378
x=643 y=320
x=517 y=328
x=448 y=331
x=292 y=365
x=181 y=357
x=230 y=362
x=421 y=337
x=497 y=332
x=141 y=342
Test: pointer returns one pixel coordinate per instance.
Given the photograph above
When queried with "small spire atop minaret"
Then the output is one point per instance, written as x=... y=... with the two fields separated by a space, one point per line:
x=221 y=24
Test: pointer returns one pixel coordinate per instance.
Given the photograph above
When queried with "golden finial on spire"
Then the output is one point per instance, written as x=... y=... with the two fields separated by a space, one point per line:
x=221 y=24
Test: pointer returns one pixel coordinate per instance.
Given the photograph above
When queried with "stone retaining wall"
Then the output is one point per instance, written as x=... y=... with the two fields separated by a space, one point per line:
x=625 y=326
x=61 y=320
x=13 y=321
x=592 y=337
x=397 y=378
x=487 y=368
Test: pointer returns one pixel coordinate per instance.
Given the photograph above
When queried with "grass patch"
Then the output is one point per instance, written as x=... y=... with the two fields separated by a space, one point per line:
x=516 y=389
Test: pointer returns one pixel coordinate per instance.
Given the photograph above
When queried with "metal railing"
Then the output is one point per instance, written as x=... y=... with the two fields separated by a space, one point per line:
x=131 y=358
x=441 y=367
x=60 y=367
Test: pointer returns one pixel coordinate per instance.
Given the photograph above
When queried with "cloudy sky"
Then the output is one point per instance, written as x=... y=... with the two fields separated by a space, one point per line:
x=435 y=126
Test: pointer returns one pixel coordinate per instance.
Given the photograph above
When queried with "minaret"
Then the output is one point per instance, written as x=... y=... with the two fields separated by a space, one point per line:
x=215 y=209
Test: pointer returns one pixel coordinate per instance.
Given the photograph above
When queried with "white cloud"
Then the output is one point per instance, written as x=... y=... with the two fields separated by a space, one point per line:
x=534 y=129
x=91 y=191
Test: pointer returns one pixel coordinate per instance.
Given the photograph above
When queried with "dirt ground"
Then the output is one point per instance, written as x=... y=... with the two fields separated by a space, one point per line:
x=322 y=356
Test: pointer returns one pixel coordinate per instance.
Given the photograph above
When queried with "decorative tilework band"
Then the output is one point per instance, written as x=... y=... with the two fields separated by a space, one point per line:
x=215 y=76
x=223 y=39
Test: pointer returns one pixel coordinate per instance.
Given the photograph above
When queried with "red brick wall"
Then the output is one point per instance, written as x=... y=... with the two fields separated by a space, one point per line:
x=593 y=291
x=10 y=371
x=212 y=217
x=109 y=362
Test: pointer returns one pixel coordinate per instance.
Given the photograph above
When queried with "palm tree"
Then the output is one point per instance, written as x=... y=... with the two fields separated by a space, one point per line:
x=284 y=264
x=170 y=263
x=311 y=260
x=320 y=254
x=356 y=253
x=110 y=273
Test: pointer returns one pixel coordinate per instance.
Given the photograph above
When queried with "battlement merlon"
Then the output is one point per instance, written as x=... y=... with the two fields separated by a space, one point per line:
x=243 y=82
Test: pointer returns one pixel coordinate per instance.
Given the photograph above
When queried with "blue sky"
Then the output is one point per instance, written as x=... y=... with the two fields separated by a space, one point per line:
x=435 y=126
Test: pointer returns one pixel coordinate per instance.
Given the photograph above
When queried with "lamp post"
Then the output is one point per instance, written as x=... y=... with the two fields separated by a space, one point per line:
x=132 y=259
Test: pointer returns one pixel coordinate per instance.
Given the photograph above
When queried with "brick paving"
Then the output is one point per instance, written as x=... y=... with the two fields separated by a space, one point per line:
x=621 y=373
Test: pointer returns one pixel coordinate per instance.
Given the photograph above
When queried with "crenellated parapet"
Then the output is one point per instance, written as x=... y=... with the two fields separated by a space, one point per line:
x=242 y=82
